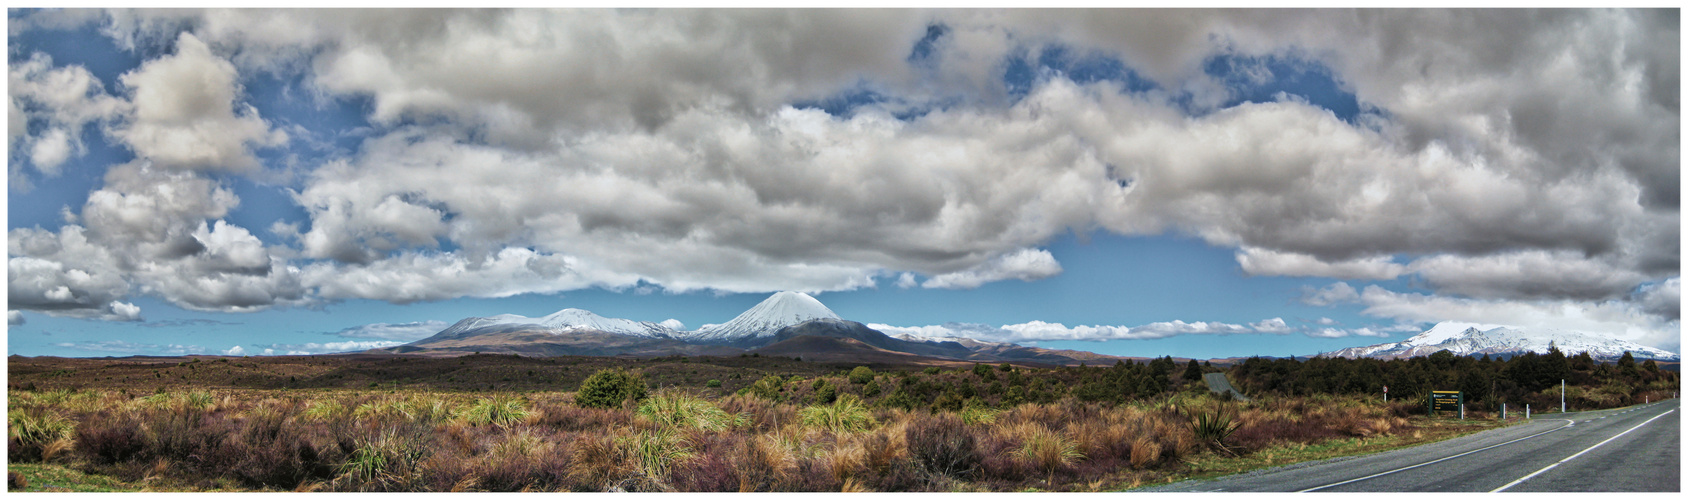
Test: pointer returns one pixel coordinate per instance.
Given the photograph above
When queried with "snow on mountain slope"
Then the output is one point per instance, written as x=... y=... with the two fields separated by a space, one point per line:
x=1470 y=339
x=778 y=311
x=560 y=322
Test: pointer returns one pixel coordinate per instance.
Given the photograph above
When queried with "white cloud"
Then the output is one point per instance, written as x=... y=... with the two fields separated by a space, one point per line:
x=62 y=99
x=332 y=347
x=1264 y=262
x=14 y=318
x=1613 y=318
x=1516 y=155
x=1273 y=325
x=1529 y=274
x=186 y=113
x=1024 y=264
x=673 y=324
x=406 y=332
x=127 y=347
x=235 y=351
x=413 y=277
x=1039 y=331
x=906 y=281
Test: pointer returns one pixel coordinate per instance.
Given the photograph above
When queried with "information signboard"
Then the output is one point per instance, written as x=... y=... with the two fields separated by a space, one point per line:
x=1446 y=401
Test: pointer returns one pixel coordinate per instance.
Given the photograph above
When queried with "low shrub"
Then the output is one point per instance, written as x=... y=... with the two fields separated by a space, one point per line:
x=943 y=445
x=109 y=438
x=609 y=388
x=861 y=375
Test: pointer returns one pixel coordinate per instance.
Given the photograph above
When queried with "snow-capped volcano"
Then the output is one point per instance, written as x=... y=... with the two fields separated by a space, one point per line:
x=778 y=311
x=560 y=322
x=1470 y=339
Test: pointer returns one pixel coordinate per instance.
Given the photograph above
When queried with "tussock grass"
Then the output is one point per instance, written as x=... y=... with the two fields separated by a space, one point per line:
x=845 y=415
x=674 y=409
x=503 y=412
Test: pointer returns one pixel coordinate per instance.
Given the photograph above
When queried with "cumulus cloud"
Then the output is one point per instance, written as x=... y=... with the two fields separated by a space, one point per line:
x=1518 y=156
x=147 y=228
x=185 y=113
x=673 y=324
x=1529 y=274
x=1264 y=262
x=1612 y=318
x=404 y=332
x=14 y=318
x=235 y=351
x=413 y=277
x=1024 y=264
x=60 y=101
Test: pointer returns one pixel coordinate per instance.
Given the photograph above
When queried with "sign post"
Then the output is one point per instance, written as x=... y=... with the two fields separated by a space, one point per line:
x=1447 y=401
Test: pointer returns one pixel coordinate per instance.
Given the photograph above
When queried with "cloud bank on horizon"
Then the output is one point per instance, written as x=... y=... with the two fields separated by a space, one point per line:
x=1518 y=166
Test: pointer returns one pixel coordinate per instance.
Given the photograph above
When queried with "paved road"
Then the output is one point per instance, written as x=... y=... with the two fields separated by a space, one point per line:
x=1627 y=449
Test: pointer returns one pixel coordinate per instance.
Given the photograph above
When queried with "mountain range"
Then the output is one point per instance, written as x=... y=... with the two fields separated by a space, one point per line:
x=784 y=324
x=1470 y=339
x=796 y=324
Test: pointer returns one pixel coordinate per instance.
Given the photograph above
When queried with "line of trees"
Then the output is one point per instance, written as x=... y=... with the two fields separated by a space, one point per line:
x=1487 y=382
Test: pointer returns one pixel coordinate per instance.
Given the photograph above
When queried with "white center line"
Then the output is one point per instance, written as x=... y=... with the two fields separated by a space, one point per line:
x=1568 y=423
x=1567 y=459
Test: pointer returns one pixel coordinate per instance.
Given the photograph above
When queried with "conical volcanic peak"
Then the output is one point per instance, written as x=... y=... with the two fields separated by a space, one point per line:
x=778 y=311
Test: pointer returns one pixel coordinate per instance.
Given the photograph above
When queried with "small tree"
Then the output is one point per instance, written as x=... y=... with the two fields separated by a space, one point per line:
x=861 y=375
x=1193 y=371
x=609 y=388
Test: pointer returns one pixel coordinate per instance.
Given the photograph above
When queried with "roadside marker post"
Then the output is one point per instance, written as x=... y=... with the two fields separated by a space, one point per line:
x=1503 y=412
x=1462 y=411
x=1526 y=412
x=1561 y=395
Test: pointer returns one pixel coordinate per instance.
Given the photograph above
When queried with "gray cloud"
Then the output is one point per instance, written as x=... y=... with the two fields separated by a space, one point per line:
x=1511 y=157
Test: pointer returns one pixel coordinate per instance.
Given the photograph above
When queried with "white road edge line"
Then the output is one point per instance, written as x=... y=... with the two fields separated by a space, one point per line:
x=1567 y=459
x=1568 y=423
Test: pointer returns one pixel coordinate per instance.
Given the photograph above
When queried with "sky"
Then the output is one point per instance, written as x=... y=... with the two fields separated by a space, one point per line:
x=1194 y=183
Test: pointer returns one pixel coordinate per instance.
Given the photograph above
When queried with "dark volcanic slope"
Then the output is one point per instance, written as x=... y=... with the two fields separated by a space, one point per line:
x=576 y=343
x=821 y=349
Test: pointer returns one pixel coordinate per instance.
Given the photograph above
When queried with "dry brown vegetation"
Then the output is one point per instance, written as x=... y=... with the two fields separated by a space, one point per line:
x=360 y=440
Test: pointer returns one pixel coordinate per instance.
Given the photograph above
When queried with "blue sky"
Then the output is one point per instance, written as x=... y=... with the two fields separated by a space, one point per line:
x=1249 y=182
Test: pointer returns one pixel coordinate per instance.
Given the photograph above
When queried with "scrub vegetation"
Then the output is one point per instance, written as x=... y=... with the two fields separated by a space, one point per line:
x=777 y=427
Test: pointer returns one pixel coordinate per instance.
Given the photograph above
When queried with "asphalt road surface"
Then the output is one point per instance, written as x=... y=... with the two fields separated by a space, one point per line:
x=1637 y=448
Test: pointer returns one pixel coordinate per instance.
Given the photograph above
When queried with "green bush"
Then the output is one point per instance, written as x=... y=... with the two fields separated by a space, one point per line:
x=768 y=388
x=861 y=375
x=872 y=389
x=824 y=392
x=712 y=383
x=931 y=370
x=609 y=388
